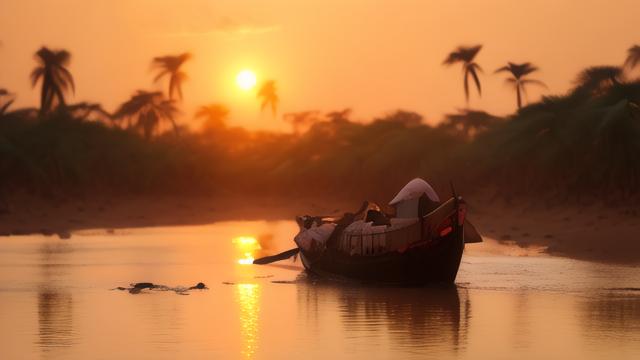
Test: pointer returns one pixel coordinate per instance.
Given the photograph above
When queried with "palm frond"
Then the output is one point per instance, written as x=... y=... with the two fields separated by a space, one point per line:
x=633 y=57
x=160 y=75
x=35 y=76
x=464 y=54
x=533 y=82
x=6 y=106
x=472 y=70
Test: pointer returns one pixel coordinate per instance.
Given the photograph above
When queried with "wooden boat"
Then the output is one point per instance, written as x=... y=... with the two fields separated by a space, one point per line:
x=404 y=250
x=427 y=250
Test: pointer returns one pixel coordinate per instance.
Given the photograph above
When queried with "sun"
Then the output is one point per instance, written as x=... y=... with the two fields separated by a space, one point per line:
x=246 y=80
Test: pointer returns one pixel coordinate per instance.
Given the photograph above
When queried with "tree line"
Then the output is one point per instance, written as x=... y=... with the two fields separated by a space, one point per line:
x=586 y=141
x=146 y=110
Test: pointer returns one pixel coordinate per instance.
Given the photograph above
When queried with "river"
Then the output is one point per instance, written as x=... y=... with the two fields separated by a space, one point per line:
x=57 y=302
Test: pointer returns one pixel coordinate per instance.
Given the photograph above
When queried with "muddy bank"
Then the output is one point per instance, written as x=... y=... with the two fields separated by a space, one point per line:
x=593 y=232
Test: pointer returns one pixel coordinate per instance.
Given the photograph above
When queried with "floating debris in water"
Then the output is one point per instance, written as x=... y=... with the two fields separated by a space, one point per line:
x=284 y=281
x=136 y=288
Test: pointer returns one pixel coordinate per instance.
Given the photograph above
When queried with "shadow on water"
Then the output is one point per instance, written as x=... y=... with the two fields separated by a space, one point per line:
x=419 y=318
x=55 y=304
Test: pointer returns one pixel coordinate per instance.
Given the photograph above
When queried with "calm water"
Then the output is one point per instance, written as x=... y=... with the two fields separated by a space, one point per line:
x=509 y=303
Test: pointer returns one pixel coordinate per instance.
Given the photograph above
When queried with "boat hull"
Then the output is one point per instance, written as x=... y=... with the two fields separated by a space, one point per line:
x=419 y=264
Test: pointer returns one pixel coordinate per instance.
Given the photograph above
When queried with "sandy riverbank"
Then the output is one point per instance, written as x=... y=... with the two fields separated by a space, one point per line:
x=594 y=232
x=591 y=232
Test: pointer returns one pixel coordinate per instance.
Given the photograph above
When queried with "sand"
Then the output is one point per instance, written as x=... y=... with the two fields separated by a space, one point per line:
x=596 y=233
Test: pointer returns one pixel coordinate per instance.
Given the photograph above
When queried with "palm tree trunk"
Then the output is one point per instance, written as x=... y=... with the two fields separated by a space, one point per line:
x=171 y=86
x=519 y=96
x=466 y=86
x=45 y=95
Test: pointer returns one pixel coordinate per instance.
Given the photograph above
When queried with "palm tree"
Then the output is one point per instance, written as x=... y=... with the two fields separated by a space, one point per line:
x=269 y=96
x=466 y=55
x=149 y=109
x=596 y=79
x=215 y=116
x=56 y=78
x=518 y=73
x=633 y=57
x=170 y=66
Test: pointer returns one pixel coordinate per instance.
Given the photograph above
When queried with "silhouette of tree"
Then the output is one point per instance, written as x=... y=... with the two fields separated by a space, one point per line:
x=303 y=120
x=404 y=117
x=518 y=73
x=149 y=109
x=56 y=78
x=469 y=123
x=89 y=111
x=633 y=57
x=339 y=116
x=215 y=116
x=171 y=66
x=269 y=96
x=466 y=56
x=596 y=79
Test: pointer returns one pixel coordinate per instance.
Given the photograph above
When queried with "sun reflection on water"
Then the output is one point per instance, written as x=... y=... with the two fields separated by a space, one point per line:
x=247 y=245
x=247 y=260
x=248 y=296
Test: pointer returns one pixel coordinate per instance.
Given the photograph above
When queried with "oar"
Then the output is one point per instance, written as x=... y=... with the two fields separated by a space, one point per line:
x=273 y=258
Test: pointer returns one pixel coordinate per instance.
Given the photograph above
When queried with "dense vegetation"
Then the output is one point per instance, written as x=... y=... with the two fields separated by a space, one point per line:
x=583 y=143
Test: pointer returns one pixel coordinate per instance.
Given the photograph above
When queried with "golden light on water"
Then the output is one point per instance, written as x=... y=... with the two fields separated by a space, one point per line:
x=247 y=245
x=246 y=80
x=245 y=240
x=248 y=259
x=248 y=296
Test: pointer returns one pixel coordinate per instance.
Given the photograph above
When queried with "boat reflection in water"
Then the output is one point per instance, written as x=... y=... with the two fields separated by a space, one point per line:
x=55 y=303
x=613 y=316
x=397 y=318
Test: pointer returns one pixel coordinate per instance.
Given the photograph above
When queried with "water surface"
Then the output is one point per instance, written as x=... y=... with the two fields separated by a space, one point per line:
x=56 y=302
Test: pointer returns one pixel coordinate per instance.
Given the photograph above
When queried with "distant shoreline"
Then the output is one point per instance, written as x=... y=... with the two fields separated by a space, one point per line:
x=594 y=233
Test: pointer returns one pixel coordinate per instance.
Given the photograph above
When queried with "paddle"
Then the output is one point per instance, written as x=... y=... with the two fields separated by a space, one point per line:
x=273 y=258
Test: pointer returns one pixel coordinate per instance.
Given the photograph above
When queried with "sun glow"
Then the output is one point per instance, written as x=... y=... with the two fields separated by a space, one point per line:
x=247 y=260
x=246 y=80
x=247 y=245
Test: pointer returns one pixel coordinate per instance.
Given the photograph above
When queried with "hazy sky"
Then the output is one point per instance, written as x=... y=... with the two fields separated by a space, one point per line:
x=373 y=56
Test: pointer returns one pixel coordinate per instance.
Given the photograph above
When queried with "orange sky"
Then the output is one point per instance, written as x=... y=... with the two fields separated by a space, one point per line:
x=374 y=56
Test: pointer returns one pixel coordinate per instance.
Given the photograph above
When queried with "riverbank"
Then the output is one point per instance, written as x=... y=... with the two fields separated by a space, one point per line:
x=591 y=232
x=28 y=215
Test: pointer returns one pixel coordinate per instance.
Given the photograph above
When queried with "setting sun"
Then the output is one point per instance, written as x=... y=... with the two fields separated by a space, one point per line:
x=246 y=79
